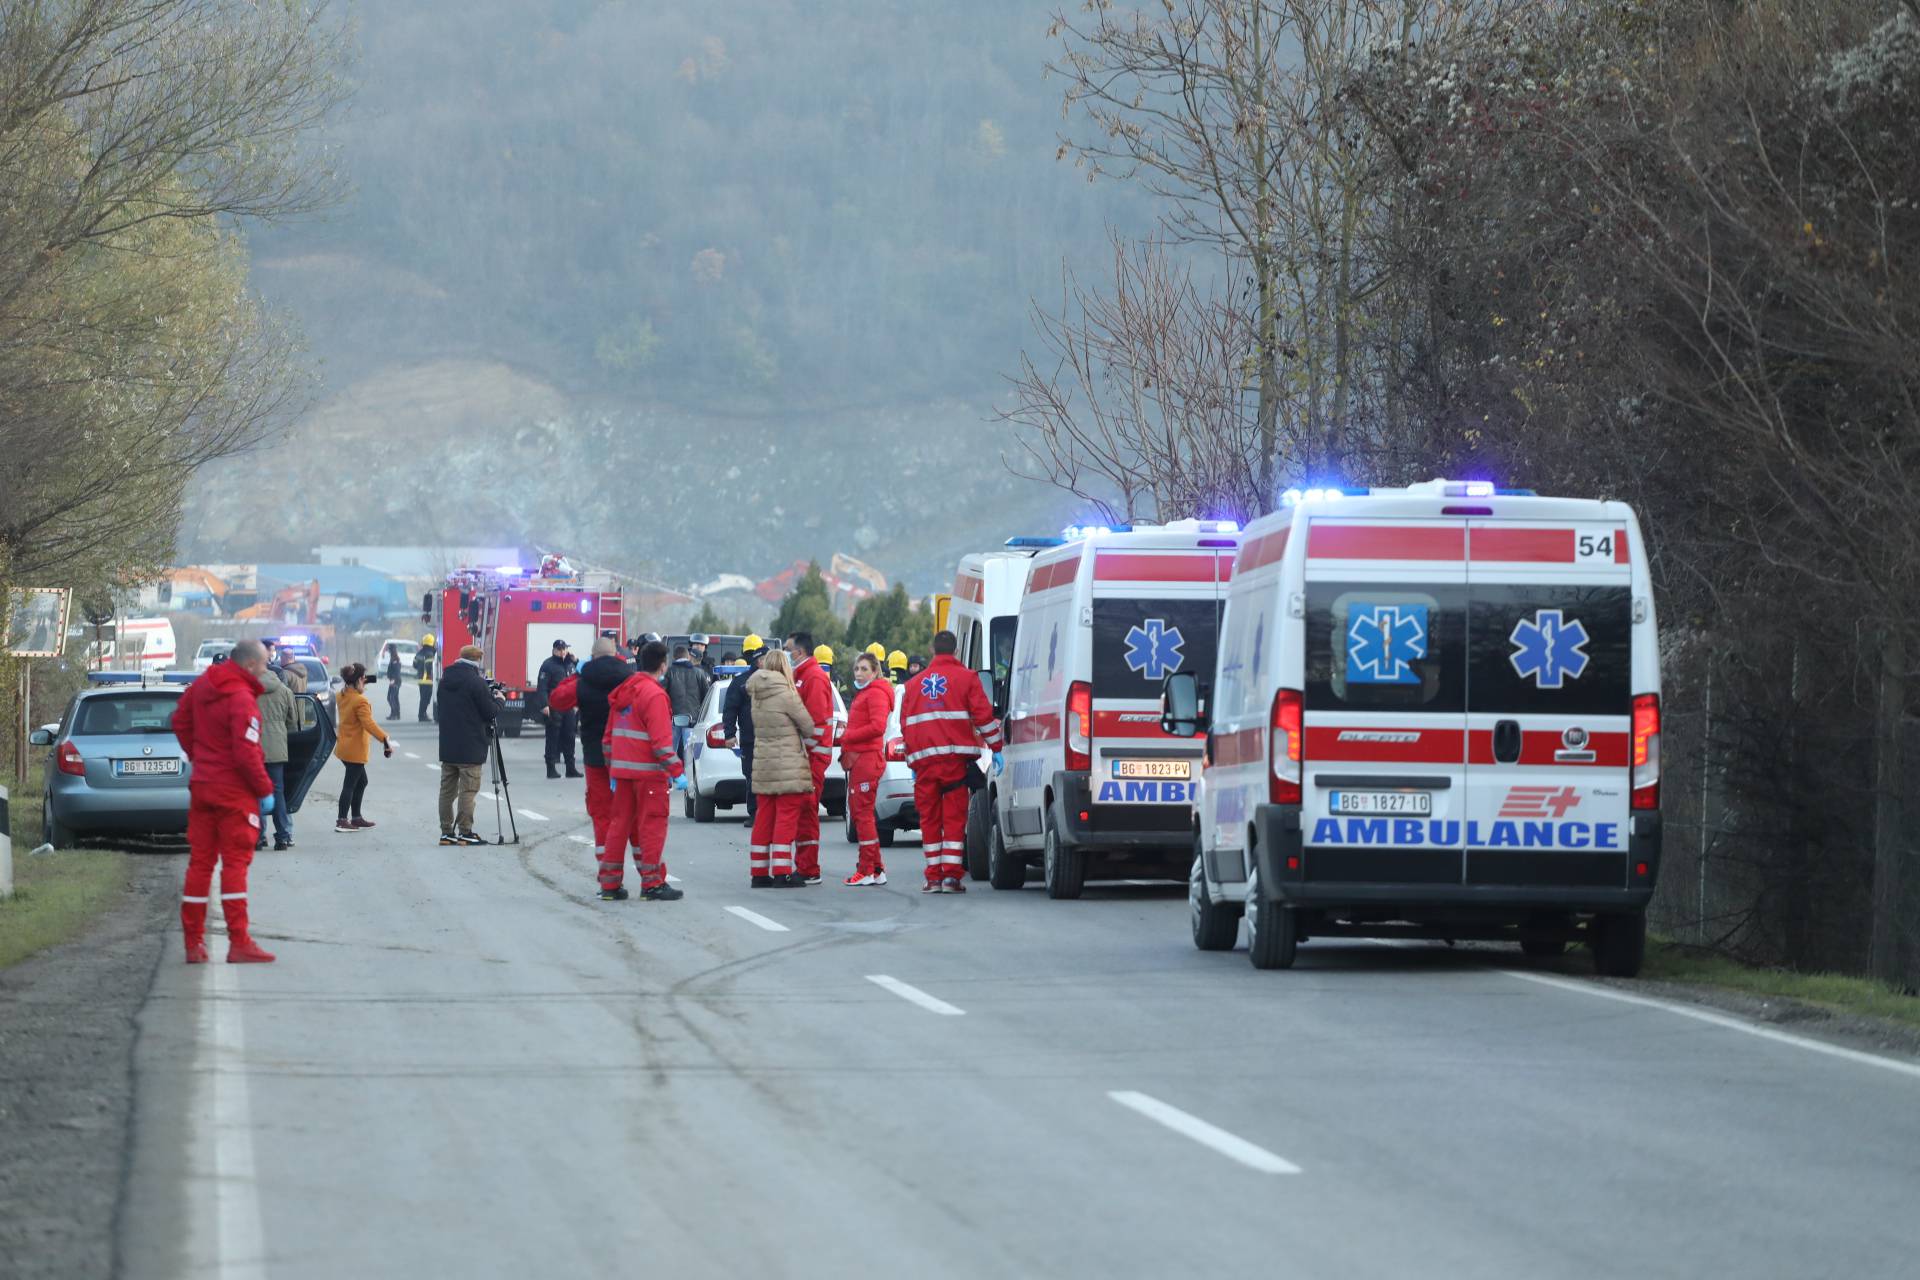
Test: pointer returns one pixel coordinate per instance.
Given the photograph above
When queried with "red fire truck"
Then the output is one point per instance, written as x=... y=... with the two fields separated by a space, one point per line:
x=515 y=615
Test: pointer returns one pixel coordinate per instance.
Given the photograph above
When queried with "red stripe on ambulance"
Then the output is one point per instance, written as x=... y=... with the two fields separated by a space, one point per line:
x=1370 y=745
x=1117 y=566
x=1327 y=541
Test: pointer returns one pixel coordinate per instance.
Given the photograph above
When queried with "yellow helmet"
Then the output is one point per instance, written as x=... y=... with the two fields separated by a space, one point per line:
x=897 y=660
x=751 y=645
x=427 y=640
x=877 y=651
x=823 y=654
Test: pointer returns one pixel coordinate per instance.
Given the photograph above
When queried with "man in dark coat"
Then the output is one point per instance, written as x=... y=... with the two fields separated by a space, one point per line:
x=603 y=673
x=562 y=726
x=467 y=712
x=736 y=716
x=687 y=683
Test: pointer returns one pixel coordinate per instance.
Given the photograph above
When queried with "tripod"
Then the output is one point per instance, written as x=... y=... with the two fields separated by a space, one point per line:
x=499 y=790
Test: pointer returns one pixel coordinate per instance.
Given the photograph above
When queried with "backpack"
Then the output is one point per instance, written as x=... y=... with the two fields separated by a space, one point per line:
x=566 y=695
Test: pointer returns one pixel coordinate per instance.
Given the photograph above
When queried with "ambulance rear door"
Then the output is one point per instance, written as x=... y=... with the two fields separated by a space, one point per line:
x=1549 y=701
x=1155 y=611
x=1383 y=794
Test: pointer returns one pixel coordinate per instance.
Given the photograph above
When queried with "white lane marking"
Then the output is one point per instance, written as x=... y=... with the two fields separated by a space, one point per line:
x=434 y=768
x=237 y=1249
x=914 y=995
x=411 y=755
x=483 y=795
x=586 y=840
x=754 y=917
x=1233 y=1148
x=1727 y=1021
x=535 y=817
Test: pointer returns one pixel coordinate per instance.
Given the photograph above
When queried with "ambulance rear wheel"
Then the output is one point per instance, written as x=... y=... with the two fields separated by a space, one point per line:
x=1066 y=869
x=979 y=814
x=702 y=807
x=1216 y=925
x=1273 y=930
x=1619 y=944
x=883 y=832
x=1005 y=868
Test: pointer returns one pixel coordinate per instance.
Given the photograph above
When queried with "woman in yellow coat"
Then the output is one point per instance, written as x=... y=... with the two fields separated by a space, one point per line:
x=357 y=728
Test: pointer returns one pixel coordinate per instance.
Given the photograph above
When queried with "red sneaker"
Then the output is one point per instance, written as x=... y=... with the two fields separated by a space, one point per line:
x=360 y=824
x=953 y=886
x=197 y=952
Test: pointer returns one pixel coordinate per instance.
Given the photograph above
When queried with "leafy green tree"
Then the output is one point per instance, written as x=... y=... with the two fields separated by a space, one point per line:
x=709 y=622
x=809 y=607
x=894 y=620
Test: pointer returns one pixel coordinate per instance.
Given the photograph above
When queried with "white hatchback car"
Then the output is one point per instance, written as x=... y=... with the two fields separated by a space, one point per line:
x=714 y=776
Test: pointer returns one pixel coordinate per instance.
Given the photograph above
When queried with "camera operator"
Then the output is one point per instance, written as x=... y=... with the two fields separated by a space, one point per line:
x=468 y=709
x=562 y=726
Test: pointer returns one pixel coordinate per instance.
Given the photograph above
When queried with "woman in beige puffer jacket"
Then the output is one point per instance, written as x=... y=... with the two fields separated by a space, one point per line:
x=782 y=776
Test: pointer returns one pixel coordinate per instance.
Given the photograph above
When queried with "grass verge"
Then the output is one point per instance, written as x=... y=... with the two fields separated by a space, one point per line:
x=57 y=895
x=1672 y=962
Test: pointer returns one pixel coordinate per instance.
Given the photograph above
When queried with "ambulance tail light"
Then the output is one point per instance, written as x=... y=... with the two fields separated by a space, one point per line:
x=1646 y=751
x=1079 y=725
x=1285 y=748
x=69 y=760
x=896 y=752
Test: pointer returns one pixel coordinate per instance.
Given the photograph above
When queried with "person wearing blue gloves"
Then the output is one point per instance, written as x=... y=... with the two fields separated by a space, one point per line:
x=645 y=770
x=946 y=718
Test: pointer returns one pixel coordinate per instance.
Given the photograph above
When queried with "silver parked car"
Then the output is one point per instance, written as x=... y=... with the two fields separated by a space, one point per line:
x=115 y=767
x=714 y=776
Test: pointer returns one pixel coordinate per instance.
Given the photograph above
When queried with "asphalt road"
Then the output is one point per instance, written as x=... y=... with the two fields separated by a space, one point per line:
x=466 y=1065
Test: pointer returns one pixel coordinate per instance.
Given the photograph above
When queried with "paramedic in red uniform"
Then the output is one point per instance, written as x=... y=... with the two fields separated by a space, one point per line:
x=816 y=691
x=218 y=725
x=644 y=769
x=862 y=755
x=604 y=673
x=946 y=718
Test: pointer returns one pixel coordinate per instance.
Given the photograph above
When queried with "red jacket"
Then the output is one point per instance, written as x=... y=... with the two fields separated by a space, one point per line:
x=942 y=710
x=816 y=690
x=867 y=722
x=639 y=738
x=218 y=725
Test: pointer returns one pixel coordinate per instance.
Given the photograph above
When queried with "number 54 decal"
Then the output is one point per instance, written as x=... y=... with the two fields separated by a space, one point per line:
x=1599 y=546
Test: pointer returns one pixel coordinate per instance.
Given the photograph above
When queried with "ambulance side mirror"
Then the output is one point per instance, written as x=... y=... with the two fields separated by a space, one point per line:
x=1181 y=715
x=996 y=693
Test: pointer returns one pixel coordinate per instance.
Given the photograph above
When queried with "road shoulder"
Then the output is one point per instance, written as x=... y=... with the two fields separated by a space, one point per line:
x=67 y=1034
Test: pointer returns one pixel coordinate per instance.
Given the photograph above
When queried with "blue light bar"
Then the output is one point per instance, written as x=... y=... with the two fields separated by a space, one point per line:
x=113 y=677
x=1075 y=532
x=1516 y=493
x=1322 y=493
x=1035 y=541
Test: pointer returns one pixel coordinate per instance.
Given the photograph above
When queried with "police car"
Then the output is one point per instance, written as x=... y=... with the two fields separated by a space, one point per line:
x=1435 y=713
x=1093 y=782
x=984 y=617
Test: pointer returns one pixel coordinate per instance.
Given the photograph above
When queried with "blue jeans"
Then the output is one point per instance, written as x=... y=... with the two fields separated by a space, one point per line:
x=282 y=821
x=681 y=732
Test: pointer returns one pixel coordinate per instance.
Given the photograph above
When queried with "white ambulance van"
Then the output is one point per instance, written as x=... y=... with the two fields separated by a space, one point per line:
x=1435 y=713
x=1093 y=783
x=983 y=613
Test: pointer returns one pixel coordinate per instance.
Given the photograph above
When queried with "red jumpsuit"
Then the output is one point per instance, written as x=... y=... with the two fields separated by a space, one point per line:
x=218 y=725
x=641 y=761
x=816 y=690
x=945 y=718
x=862 y=755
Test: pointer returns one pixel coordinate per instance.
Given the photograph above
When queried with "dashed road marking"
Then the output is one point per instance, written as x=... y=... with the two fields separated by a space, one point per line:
x=412 y=755
x=586 y=840
x=914 y=995
x=534 y=817
x=1207 y=1135
x=754 y=917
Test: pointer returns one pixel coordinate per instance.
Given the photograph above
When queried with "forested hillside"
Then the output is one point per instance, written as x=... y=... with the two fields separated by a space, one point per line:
x=835 y=203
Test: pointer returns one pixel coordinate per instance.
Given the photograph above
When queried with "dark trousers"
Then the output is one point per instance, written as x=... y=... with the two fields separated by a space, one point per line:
x=282 y=821
x=746 y=771
x=563 y=728
x=426 y=700
x=393 y=699
x=352 y=788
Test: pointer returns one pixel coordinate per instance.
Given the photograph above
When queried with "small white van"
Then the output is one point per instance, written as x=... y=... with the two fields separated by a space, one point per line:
x=1435 y=713
x=1094 y=785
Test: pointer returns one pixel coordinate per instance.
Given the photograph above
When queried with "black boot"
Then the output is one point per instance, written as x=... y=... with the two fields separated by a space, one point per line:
x=662 y=893
x=573 y=772
x=553 y=770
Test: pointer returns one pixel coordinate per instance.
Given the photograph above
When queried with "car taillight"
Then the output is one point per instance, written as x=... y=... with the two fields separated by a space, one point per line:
x=1285 y=750
x=1646 y=751
x=896 y=750
x=69 y=760
x=1079 y=725
x=717 y=737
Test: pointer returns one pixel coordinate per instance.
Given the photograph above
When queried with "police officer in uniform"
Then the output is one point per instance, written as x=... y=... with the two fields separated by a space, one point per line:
x=736 y=716
x=563 y=727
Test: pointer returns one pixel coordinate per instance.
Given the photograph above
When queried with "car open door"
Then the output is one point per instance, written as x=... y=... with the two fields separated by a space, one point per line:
x=309 y=747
